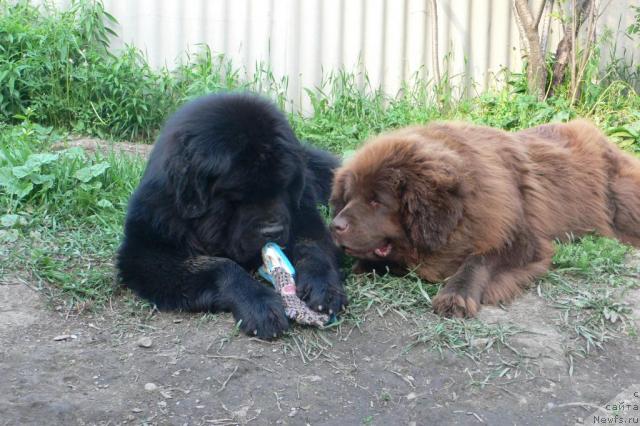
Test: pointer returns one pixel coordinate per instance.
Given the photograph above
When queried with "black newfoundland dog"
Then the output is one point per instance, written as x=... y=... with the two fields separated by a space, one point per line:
x=227 y=175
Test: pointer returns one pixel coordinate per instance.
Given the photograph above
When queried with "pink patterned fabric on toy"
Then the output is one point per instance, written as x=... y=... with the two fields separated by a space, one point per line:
x=295 y=308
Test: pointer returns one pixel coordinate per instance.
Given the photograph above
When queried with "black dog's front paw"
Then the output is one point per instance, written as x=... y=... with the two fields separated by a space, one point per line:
x=262 y=315
x=323 y=291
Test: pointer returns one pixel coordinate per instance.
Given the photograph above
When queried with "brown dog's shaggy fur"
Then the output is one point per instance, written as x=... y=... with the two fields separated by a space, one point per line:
x=479 y=207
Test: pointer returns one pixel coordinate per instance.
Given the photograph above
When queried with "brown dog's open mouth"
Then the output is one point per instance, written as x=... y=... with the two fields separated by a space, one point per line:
x=383 y=251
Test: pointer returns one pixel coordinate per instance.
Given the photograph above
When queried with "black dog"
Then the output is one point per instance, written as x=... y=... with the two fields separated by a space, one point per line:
x=227 y=175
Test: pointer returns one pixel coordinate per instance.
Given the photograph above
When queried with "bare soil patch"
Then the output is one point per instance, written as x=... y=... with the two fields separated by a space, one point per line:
x=93 y=369
x=93 y=145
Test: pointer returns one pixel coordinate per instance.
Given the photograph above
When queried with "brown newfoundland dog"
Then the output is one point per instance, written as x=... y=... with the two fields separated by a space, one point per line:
x=479 y=207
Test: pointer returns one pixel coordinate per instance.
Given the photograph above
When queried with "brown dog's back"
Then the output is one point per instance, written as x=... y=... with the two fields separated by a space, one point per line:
x=583 y=183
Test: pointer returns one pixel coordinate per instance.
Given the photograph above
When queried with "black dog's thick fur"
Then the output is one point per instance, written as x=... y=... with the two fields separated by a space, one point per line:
x=226 y=175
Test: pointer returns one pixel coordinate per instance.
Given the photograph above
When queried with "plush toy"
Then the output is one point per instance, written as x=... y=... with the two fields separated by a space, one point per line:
x=280 y=272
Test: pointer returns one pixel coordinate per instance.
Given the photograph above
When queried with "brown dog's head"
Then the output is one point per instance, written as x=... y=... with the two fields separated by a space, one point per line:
x=399 y=194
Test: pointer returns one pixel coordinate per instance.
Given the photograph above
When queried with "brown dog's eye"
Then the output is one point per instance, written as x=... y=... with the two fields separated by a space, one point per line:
x=374 y=204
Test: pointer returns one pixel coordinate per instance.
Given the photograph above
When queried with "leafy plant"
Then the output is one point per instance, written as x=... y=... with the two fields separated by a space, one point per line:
x=627 y=136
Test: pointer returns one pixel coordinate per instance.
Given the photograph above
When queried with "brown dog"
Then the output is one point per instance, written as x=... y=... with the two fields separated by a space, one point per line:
x=480 y=207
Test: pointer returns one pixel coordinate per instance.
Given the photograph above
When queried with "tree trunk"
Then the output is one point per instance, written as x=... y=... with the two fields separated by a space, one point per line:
x=565 y=47
x=536 y=71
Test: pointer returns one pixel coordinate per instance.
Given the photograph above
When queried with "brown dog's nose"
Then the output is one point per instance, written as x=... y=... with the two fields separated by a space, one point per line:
x=339 y=224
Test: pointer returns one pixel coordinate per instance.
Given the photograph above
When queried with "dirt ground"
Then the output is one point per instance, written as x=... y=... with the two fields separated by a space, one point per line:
x=93 y=145
x=57 y=368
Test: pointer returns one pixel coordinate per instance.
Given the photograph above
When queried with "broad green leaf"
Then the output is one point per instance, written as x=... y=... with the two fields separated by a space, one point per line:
x=33 y=164
x=105 y=204
x=87 y=173
x=6 y=177
x=42 y=179
x=13 y=185
x=626 y=143
x=561 y=116
x=92 y=186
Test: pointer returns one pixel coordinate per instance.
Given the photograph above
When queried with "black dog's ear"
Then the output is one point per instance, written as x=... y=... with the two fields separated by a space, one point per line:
x=188 y=181
x=297 y=186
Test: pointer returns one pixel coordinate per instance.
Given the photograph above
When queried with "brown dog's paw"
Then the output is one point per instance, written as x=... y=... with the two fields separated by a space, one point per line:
x=453 y=304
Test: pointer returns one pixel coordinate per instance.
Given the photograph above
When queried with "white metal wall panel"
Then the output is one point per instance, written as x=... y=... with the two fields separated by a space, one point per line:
x=373 y=52
x=415 y=38
x=306 y=39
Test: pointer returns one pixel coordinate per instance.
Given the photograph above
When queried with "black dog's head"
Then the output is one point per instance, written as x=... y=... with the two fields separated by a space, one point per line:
x=235 y=171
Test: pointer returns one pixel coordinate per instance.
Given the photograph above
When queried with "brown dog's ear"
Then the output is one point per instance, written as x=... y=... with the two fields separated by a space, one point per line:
x=431 y=204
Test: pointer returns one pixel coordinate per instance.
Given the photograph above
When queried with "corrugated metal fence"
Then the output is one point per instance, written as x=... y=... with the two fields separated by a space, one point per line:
x=391 y=39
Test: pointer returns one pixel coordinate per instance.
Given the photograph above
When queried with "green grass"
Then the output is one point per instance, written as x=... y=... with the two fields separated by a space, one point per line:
x=588 y=284
x=62 y=211
x=468 y=337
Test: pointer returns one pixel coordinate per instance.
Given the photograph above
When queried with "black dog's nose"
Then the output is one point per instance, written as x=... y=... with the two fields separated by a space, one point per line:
x=339 y=224
x=272 y=231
